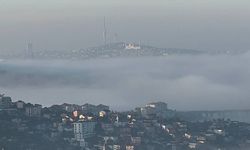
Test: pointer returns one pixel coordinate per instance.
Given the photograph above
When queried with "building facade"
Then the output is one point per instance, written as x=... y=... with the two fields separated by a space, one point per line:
x=5 y=102
x=85 y=129
x=33 y=110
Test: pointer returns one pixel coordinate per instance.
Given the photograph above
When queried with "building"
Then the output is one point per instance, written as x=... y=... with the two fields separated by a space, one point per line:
x=102 y=107
x=130 y=147
x=5 y=102
x=158 y=106
x=156 y=109
x=70 y=107
x=136 y=140
x=86 y=108
x=85 y=129
x=89 y=108
x=132 y=46
x=33 y=110
x=20 y=104
x=116 y=147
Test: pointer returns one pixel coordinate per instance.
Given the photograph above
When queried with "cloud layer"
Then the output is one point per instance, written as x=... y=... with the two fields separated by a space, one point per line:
x=185 y=82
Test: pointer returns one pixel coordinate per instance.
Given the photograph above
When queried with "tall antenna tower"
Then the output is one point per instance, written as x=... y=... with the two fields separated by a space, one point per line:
x=30 y=53
x=104 y=31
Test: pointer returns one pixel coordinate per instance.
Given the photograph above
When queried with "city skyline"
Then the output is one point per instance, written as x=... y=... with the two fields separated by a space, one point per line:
x=124 y=75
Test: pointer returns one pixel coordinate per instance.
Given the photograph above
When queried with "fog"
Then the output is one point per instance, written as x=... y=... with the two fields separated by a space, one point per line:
x=202 y=82
x=69 y=25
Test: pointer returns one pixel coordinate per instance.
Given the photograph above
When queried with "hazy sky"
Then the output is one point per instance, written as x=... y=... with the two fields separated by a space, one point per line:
x=75 y=24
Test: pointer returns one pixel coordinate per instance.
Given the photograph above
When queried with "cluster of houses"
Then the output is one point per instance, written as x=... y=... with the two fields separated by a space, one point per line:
x=96 y=127
x=27 y=109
